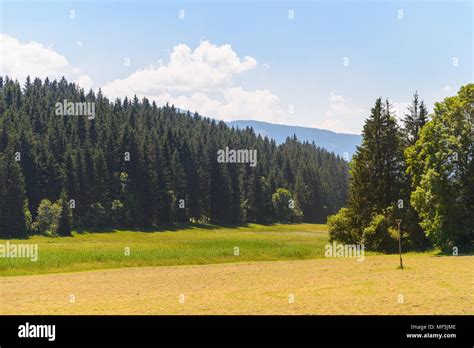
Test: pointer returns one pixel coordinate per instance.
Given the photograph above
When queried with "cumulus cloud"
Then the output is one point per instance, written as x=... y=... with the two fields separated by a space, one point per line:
x=200 y=80
x=235 y=103
x=342 y=115
x=197 y=80
x=261 y=104
x=84 y=81
x=207 y=67
x=195 y=102
x=18 y=60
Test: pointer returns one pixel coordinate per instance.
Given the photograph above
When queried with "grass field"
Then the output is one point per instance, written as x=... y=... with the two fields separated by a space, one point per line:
x=189 y=246
x=430 y=285
x=198 y=273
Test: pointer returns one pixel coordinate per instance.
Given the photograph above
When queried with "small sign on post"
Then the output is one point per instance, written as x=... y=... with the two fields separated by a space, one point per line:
x=399 y=221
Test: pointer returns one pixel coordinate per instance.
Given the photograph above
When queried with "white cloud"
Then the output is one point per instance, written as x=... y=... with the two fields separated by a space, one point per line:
x=260 y=104
x=197 y=80
x=334 y=125
x=85 y=82
x=342 y=115
x=335 y=99
x=18 y=60
x=207 y=67
x=236 y=103
x=199 y=102
x=447 y=88
x=200 y=80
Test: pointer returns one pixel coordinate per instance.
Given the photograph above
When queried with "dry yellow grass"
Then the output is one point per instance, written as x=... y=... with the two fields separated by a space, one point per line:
x=430 y=285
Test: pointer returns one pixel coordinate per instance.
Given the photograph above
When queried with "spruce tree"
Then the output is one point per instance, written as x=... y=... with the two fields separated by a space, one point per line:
x=376 y=172
x=413 y=123
x=65 y=222
x=414 y=120
x=14 y=218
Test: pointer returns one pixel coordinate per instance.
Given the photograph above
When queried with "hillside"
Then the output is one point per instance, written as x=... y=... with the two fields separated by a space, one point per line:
x=132 y=163
x=338 y=143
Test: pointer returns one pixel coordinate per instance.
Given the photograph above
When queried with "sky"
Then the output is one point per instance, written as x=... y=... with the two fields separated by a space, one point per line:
x=310 y=63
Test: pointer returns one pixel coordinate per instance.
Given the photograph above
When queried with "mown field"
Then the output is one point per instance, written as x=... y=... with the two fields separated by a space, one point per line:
x=195 y=271
x=430 y=285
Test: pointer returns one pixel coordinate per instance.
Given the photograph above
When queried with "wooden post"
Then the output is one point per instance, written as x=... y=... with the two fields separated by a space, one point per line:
x=399 y=221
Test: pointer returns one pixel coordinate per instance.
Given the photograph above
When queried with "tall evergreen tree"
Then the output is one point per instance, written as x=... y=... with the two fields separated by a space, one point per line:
x=14 y=203
x=376 y=166
x=65 y=218
x=376 y=176
x=414 y=120
x=412 y=124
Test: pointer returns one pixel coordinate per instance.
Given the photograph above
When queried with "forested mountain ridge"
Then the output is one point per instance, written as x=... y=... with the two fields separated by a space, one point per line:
x=340 y=143
x=136 y=164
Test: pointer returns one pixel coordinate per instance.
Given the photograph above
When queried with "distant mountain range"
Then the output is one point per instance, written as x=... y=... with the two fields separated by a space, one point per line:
x=338 y=143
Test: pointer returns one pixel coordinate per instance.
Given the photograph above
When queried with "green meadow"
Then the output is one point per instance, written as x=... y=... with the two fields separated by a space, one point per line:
x=189 y=245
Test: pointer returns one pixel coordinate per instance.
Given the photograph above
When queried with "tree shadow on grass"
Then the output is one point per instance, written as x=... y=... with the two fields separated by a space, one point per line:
x=182 y=226
x=152 y=229
x=16 y=237
x=439 y=253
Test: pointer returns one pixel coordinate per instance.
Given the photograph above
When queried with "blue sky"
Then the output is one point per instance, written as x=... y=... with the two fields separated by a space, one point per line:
x=294 y=72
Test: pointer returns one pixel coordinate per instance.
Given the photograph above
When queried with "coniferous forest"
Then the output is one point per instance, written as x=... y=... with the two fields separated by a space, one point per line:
x=140 y=165
x=135 y=164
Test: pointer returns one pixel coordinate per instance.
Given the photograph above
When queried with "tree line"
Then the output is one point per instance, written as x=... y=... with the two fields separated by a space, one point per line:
x=420 y=172
x=139 y=165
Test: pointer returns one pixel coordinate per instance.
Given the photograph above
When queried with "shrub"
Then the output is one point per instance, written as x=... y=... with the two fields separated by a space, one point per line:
x=47 y=219
x=285 y=207
x=380 y=235
x=341 y=228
